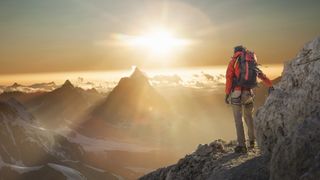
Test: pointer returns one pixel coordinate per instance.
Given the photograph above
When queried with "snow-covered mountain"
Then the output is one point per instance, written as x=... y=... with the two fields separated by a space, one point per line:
x=28 y=151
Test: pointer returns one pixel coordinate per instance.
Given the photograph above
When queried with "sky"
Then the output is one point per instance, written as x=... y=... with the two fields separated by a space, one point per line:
x=89 y=35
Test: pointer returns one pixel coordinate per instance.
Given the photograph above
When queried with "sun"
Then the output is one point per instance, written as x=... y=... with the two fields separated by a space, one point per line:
x=159 y=41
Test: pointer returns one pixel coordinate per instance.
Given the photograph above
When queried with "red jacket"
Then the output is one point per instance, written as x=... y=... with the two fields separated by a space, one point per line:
x=234 y=70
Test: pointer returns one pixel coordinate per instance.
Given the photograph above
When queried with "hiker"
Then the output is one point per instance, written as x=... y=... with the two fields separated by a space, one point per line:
x=241 y=78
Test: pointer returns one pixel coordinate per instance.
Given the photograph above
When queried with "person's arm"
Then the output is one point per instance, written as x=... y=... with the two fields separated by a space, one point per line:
x=266 y=81
x=229 y=76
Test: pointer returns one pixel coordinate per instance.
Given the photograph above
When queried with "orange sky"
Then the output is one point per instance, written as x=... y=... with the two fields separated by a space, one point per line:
x=59 y=36
x=273 y=71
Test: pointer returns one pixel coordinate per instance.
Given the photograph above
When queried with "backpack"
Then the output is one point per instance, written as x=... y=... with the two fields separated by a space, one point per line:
x=248 y=70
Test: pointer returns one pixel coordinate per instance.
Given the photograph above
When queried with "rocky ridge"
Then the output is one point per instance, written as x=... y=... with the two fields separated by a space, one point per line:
x=215 y=161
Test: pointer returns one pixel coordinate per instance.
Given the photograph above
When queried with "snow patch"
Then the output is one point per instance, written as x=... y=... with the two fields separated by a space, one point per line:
x=70 y=174
x=118 y=177
x=22 y=169
x=94 y=168
x=100 y=145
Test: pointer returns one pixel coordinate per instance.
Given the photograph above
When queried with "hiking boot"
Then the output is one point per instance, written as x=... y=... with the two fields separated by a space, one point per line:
x=240 y=149
x=251 y=144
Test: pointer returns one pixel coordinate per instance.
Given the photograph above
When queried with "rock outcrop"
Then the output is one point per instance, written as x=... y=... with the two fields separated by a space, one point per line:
x=215 y=161
x=288 y=125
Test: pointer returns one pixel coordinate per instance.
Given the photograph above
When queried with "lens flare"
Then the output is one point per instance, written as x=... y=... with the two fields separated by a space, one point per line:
x=156 y=41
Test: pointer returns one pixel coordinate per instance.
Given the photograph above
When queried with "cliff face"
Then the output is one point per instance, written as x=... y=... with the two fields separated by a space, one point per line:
x=288 y=125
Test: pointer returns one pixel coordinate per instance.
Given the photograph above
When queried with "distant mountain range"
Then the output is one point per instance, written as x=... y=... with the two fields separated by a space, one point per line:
x=38 y=87
x=63 y=105
x=57 y=107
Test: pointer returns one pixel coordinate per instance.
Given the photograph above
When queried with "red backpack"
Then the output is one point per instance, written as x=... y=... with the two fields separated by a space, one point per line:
x=248 y=70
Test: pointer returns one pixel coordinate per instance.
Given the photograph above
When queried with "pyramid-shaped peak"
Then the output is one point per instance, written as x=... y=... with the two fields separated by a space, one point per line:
x=16 y=85
x=138 y=74
x=67 y=84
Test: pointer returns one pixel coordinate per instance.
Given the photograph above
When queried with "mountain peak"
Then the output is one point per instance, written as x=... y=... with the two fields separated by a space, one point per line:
x=138 y=74
x=67 y=84
x=16 y=85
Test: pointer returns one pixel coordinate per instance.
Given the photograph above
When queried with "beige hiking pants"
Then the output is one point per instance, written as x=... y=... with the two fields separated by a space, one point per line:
x=242 y=103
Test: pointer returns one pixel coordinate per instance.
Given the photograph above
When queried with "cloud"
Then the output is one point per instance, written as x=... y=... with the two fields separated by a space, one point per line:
x=38 y=87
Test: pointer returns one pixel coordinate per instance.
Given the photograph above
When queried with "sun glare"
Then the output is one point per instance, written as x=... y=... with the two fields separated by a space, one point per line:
x=159 y=41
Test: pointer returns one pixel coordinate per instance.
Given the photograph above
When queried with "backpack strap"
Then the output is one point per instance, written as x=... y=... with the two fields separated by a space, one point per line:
x=235 y=63
x=235 y=79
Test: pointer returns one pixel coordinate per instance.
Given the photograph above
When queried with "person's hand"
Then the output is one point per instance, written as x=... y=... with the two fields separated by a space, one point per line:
x=270 y=89
x=227 y=99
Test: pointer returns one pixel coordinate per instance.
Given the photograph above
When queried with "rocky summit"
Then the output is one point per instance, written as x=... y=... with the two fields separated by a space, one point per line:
x=287 y=128
x=215 y=161
x=288 y=125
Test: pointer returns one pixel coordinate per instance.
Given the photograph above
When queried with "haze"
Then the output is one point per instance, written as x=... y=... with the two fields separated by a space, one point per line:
x=81 y=35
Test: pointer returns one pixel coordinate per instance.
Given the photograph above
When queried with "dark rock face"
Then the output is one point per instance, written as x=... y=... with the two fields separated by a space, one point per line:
x=298 y=156
x=133 y=99
x=288 y=123
x=215 y=161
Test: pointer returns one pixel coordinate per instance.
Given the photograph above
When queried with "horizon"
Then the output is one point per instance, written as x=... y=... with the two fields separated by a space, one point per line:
x=68 y=36
x=272 y=70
